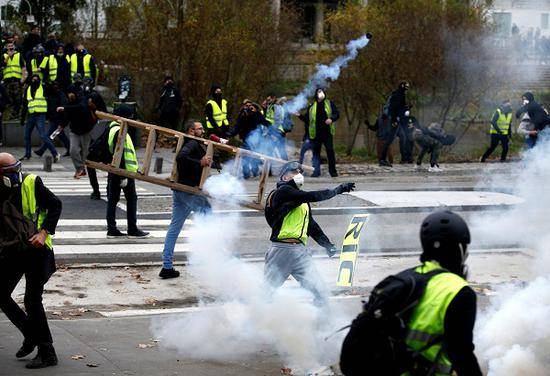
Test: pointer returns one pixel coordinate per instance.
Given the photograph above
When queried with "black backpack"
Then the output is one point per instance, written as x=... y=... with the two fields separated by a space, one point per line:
x=375 y=343
x=99 y=148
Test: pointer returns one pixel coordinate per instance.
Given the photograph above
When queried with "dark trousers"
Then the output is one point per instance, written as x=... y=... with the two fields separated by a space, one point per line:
x=388 y=140
x=37 y=265
x=495 y=140
x=306 y=146
x=13 y=88
x=329 y=147
x=1 y=127
x=62 y=137
x=92 y=176
x=406 y=144
x=113 y=196
x=380 y=147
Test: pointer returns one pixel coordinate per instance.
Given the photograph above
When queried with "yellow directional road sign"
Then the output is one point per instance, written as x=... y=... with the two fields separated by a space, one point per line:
x=350 y=250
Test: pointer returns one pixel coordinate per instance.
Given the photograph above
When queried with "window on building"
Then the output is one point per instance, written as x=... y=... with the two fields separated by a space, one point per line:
x=503 y=23
x=544 y=21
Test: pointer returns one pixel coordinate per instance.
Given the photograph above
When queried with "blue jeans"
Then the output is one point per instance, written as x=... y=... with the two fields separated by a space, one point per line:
x=530 y=142
x=182 y=205
x=62 y=137
x=38 y=121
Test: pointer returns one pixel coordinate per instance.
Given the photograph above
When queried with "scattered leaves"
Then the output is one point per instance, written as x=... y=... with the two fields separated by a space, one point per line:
x=78 y=357
x=286 y=371
x=92 y=365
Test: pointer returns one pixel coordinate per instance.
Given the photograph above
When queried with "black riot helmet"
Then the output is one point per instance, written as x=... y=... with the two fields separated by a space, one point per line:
x=445 y=237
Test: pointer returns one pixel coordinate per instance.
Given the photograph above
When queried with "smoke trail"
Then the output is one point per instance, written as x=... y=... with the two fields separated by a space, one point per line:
x=245 y=319
x=513 y=337
x=326 y=73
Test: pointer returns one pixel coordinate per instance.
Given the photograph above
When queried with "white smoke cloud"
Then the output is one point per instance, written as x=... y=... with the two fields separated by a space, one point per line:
x=244 y=318
x=513 y=337
x=326 y=73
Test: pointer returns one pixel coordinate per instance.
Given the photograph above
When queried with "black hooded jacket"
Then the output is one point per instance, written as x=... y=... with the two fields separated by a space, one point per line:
x=538 y=116
x=288 y=196
x=397 y=104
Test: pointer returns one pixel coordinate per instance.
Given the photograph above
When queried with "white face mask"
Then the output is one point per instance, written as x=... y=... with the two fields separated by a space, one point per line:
x=525 y=102
x=407 y=113
x=298 y=179
x=320 y=95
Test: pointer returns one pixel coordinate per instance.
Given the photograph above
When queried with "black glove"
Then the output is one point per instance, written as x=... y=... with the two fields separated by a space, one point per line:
x=331 y=251
x=344 y=187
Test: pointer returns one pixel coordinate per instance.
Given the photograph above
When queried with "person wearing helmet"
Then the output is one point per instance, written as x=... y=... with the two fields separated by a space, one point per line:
x=37 y=60
x=288 y=213
x=448 y=306
x=30 y=212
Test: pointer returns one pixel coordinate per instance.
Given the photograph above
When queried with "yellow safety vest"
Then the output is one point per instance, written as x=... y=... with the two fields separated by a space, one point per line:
x=35 y=66
x=503 y=122
x=313 y=118
x=85 y=61
x=219 y=114
x=13 y=66
x=30 y=209
x=38 y=104
x=270 y=113
x=51 y=63
x=428 y=318
x=130 y=158
x=295 y=224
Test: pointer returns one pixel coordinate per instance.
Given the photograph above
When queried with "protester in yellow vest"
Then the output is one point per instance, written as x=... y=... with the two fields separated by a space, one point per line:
x=320 y=125
x=83 y=63
x=37 y=106
x=288 y=213
x=14 y=74
x=431 y=302
x=37 y=61
x=501 y=130
x=27 y=250
x=56 y=67
x=217 y=121
x=116 y=183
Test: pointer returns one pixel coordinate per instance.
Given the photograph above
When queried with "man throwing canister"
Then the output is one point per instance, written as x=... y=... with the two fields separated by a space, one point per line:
x=30 y=212
x=288 y=213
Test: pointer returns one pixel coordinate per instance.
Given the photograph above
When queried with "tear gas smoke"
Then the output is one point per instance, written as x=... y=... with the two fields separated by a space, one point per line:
x=326 y=73
x=245 y=318
x=513 y=337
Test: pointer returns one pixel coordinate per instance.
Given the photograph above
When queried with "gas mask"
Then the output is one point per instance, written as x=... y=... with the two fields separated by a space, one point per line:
x=320 y=95
x=298 y=179
x=525 y=102
x=12 y=176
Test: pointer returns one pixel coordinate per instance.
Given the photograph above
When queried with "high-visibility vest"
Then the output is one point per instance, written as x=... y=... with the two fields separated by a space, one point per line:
x=270 y=113
x=35 y=66
x=130 y=158
x=38 y=104
x=219 y=114
x=85 y=62
x=51 y=63
x=295 y=224
x=428 y=318
x=313 y=118
x=30 y=209
x=13 y=66
x=503 y=122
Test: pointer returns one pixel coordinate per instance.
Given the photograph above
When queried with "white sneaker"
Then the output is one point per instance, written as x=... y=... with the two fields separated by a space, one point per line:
x=434 y=169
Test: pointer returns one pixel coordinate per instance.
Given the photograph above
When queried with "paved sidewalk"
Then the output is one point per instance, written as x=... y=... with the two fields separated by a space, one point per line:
x=120 y=347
